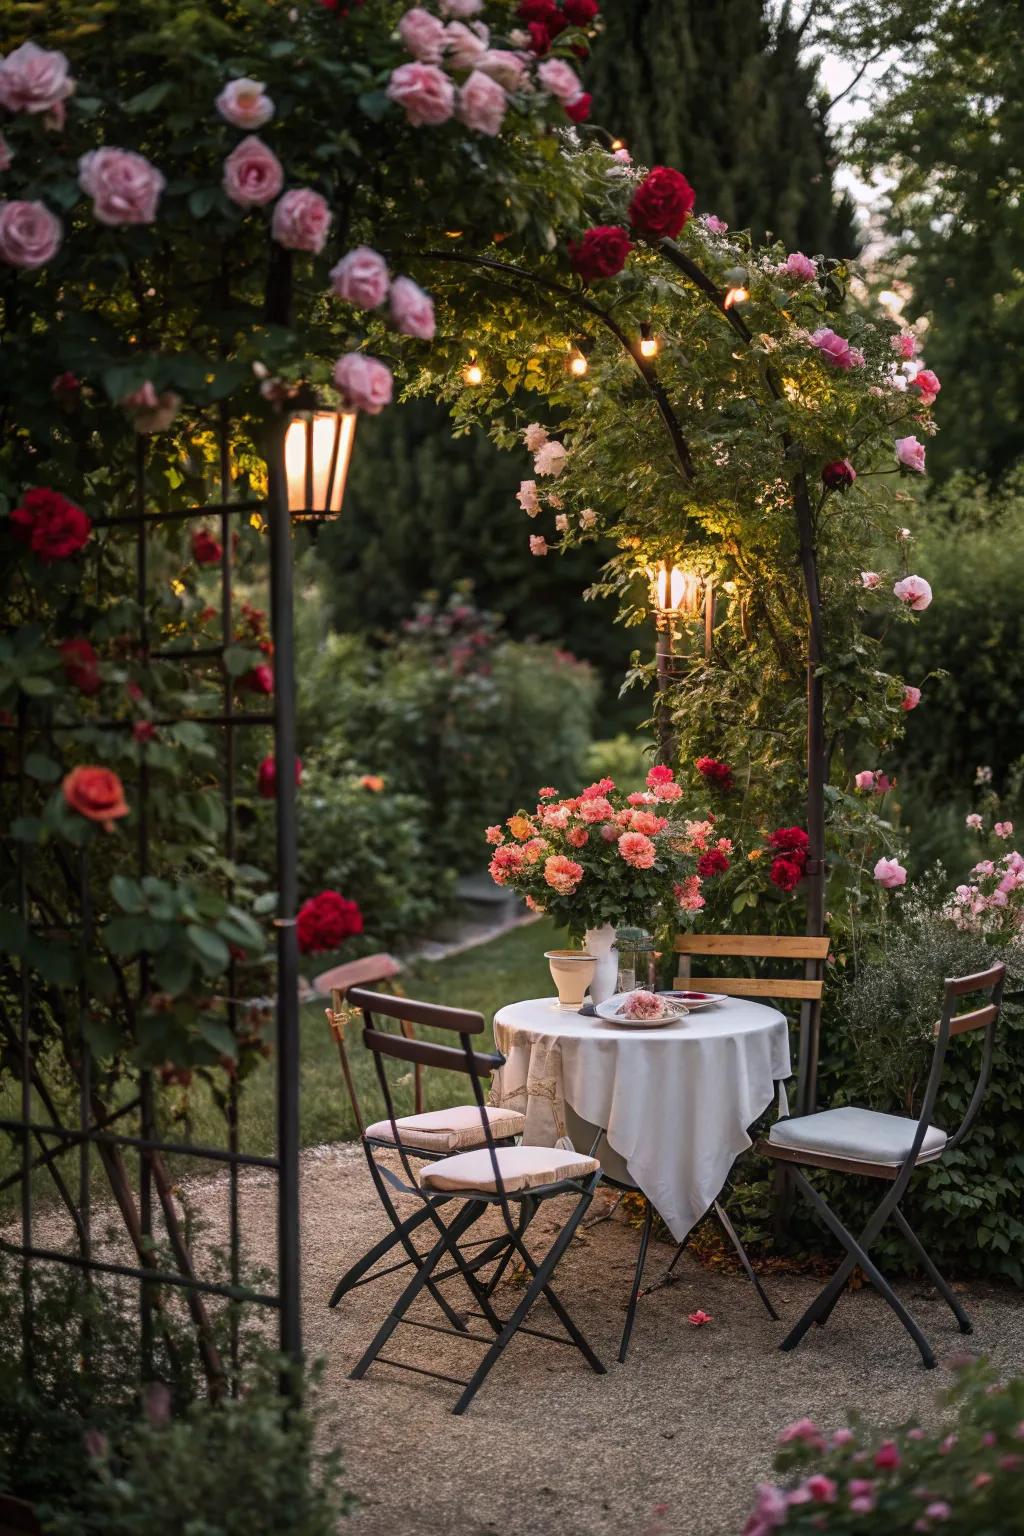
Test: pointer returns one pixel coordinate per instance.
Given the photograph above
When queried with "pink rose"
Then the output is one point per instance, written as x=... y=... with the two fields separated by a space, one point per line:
x=527 y=497
x=637 y=850
x=562 y=522
x=914 y=591
x=713 y=224
x=361 y=278
x=560 y=80
x=301 y=221
x=535 y=436
x=549 y=459
x=1003 y=829
x=910 y=454
x=836 y=349
x=905 y=344
x=865 y=779
x=482 y=104
x=461 y=8
x=245 y=104
x=624 y=157
x=30 y=234
x=505 y=67
x=34 y=79
x=365 y=382
x=797 y=264
x=412 y=310
x=870 y=580
x=889 y=873
x=911 y=698
x=538 y=544
x=927 y=385
x=464 y=45
x=425 y=94
x=124 y=187
x=252 y=174
x=588 y=517
x=5 y=154
x=422 y=34
x=974 y=822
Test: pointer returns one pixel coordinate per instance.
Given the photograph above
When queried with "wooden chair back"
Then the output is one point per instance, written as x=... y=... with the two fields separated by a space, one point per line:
x=812 y=951
x=380 y=970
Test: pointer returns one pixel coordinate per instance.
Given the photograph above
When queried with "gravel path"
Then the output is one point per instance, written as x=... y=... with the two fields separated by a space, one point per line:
x=671 y=1444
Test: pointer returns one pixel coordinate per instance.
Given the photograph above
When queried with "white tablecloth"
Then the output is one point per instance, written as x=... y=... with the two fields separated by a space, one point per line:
x=674 y=1103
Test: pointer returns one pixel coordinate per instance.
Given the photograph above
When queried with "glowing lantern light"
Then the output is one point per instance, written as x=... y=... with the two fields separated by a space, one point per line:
x=317 y=451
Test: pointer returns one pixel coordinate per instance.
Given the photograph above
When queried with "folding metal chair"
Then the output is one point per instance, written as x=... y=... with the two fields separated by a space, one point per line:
x=503 y=1177
x=882 y=1146
x=427 y=1135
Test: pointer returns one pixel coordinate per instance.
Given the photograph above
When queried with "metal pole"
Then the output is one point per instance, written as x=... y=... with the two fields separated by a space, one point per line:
x=664 y=654
x=282 y=625
x=810 y=1022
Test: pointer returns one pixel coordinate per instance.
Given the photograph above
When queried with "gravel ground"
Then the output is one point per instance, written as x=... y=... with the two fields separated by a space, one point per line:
x=671 y=1444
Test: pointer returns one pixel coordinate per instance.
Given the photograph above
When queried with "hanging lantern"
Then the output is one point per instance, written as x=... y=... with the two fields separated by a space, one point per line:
x=317 y=451
x=676 y=592
x=649 y=343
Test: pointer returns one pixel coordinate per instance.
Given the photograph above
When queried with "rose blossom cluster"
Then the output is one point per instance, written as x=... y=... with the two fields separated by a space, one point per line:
x=362 y=278
x=325 y=921
x=546 y=20
x=993 y=900
x=788 y=847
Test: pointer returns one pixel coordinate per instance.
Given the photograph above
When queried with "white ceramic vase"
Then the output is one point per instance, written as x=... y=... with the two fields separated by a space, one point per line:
x=600 y=942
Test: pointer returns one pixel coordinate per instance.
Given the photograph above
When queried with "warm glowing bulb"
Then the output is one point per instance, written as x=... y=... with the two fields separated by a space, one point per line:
x=676 y=591
x=473 y=374
x=317 y=450
x=618 y=144
x=648 y=346
x=578 y=365
x=735 y=296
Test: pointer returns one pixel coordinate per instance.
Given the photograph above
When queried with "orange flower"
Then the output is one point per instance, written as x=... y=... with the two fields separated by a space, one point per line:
x=372 y=782
x=521 y=827
x=97 y=794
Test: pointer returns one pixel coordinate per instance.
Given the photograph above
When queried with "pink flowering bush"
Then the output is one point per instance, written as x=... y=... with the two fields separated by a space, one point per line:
x=961 y=1479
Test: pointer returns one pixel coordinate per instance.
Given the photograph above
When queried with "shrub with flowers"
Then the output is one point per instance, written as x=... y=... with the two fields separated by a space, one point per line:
x=960 y=1480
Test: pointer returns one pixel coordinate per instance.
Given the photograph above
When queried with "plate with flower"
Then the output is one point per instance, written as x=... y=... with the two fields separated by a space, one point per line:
x=640 y=1010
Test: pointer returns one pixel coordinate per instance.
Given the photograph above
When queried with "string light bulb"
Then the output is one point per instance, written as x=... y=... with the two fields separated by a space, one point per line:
x=617 y=144
x=473 y=373
x=649 y=343
x=735 y=296
x=578 y=365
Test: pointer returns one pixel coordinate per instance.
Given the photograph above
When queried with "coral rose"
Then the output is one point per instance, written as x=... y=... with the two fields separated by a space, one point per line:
x=911 y=698
x=562 y=874
x=482 y=104
x=97 y=794
x=125 y=188
x=637 y=850
x=361 y=278
x=914 y=591
x=927 y=385
x=422 y=34
x=365 y=382
x=266 y=776
x=253 y=175
x=602 y=252
x=538 y=545
x=301 y=221
x=549 y=459
x=30 y=234
x=34 y=79
x=424 y=93
x=52 y=527
x=661 y=204
x=412 y=310
x=81 y=665
x=244 y=103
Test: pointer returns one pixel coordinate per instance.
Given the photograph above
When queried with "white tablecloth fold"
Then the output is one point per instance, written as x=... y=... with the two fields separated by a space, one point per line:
x=674 y=1103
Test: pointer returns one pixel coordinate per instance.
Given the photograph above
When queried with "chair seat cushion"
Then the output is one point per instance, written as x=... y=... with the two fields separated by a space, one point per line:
x=521 y=1168
x=449 y=1130
x=862 y=1135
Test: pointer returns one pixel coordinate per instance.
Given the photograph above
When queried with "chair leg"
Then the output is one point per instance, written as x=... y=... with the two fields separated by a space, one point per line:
x=965 y=1324
x=641 y=1259
x=856 y=1255
x=741 y=1254
x=537 y=1285
x=410 y=1247
x=471 y=1212
x=353 y=1275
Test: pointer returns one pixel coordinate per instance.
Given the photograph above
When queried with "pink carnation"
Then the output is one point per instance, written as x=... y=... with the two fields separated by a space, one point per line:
x=797 y=264
x=253 y=174
x=34 y=79
x=411 y=309
x=890 y=873
x=30 y=234
x=562 y=874
x=361 y=278
x=637 y=850
x=836 y=349
x=422 y=34
x=910 y=454
x=244 y=103
x=124 y=187
x=482 y=104
x=914 y=591
x=425 y=94
x=560 y=80
x=301 y=221
x=365 y=382
x=538 y=544
x=911 y=698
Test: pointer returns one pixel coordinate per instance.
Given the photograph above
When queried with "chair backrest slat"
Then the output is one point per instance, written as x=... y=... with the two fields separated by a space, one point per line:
x=758 y=945
x=981 y=981
x=448 y=1057
x=979 y=1018
x=751 y=986
x=433 y=1015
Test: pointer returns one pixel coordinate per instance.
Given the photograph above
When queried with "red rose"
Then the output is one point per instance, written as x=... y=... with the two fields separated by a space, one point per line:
x=66 y=388
x=81 y=665
x=580 y=12
x=716 y=773
x=324 y=921
x=839 y=475
x=143 y=730
x=266 y=779
x=786 y=874
x=792 y=841
x=661 y=204
x=537 y=10
x=540 y=37
x=579 y=109
x=712 y=863
x=97 y=794
x=52 y=527
x=659 y=774
x=601 y=253
x=258 y=680
x=205 y=549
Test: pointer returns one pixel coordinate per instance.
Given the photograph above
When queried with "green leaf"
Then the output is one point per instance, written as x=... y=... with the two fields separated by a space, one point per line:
x=239 y=659
x=103 y=1036
x=172 y=971
x=37 y=687
x=219 y=1036
x=127 y=893
x=210 y=947
x=201 y=201
x=150 y=98
x=375 y=105
x=26 y=829
x=238 y=928
x=39 y=766
x=124 y=935
x=55 y=961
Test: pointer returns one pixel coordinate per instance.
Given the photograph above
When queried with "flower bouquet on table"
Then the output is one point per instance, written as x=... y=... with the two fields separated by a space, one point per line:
x=602 y=858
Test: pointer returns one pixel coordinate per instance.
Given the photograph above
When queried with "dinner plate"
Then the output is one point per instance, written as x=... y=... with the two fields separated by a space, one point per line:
x=609 y=1011
x=691 y=1001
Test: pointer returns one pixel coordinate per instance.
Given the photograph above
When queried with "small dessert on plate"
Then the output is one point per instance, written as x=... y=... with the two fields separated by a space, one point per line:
x=643 y=1005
